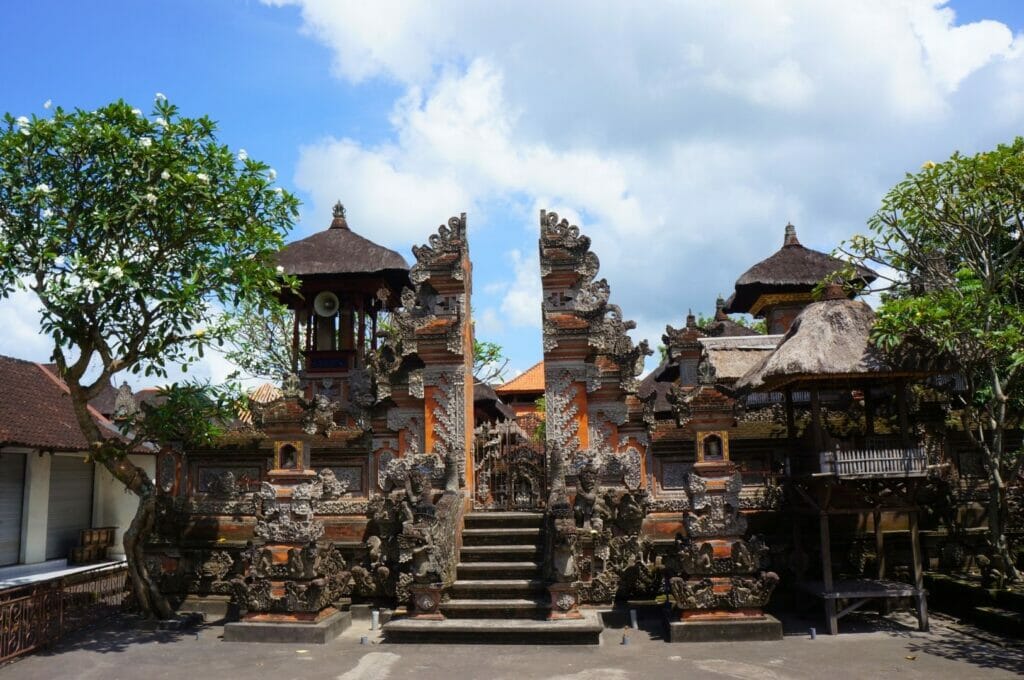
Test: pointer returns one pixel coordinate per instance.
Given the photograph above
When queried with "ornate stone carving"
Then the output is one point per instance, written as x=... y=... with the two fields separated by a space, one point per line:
x=450 y=427
x=717 y=514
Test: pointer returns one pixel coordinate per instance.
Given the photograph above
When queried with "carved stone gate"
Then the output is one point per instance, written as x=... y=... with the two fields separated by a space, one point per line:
x=510 y=472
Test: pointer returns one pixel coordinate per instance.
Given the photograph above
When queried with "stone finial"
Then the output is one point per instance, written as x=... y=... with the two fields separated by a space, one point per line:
x=125 y=406
x=790 y=239
x=691 y=320
x=720 y=314
x=339 y=221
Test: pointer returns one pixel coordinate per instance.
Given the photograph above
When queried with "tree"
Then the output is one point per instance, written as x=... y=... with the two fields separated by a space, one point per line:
x=949 y=240
x=133 y=232
x=261 y=340
x=489 y=362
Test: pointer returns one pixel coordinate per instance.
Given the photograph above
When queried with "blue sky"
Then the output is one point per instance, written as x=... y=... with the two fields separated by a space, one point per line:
x=681 y=137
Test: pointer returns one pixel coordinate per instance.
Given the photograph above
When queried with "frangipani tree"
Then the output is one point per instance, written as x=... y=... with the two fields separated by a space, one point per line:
x=135 y=231
x=951 y=239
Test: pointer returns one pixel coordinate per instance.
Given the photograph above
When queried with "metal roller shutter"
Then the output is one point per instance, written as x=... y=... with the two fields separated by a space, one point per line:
x=70 y=505
x=12 y=490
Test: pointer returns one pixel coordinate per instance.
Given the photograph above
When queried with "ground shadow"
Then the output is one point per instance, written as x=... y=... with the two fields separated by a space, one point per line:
x=115 y=635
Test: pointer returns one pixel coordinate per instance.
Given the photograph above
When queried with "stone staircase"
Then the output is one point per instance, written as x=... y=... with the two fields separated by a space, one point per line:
x=499 y=595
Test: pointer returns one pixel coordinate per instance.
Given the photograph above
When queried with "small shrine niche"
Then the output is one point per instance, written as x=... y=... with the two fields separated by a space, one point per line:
x=713 y=447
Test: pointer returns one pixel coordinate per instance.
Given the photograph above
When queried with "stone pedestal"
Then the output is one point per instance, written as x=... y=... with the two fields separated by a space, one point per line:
x=565 y=602
x=317 y=632
x=763 y=628
x=426 y=601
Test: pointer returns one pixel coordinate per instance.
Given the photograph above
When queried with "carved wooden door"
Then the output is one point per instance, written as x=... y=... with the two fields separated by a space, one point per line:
x=509 y=468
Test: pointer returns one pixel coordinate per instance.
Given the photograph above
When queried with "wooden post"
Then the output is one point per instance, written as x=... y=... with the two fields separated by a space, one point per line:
x=819 y=440
x=826 y=574
x=901 y=399
x=869 y=413
x=295 y=343
x=362 y=332
x=879 y=543
x=790 y=431
x=919 y=596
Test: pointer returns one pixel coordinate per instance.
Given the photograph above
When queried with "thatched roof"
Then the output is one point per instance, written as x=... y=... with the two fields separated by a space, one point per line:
x=732 y=357
x=793 y=268
x=659 y=383
x=486 y=398
x=339 y=250
x=828 y=340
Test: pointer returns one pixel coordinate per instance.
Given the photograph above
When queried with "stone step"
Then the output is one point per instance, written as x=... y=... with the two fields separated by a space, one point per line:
x=498 y=570
x=495 y=608
x=585 y=631
x=490 y=589
x=492 y=536
x=999 y=620
x=499 y=553
x=484 y=520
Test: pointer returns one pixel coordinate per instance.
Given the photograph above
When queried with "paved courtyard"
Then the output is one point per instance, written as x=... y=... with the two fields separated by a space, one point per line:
x=875 y=648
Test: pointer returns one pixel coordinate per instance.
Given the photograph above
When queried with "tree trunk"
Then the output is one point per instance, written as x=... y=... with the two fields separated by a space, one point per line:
x=997 y=522
x=112 y=454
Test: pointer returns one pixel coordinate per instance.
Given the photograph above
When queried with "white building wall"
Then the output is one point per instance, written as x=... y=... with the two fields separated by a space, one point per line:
x=115 y=506
x=36 y=500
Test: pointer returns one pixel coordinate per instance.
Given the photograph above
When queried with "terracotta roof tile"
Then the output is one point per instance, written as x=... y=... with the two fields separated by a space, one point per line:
x=531 y=380
x=36 y=411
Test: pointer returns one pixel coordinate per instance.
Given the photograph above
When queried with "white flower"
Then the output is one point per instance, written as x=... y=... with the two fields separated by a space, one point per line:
x=43 y=188
x=47 y=214
x=165 y=175
x=153 y=248
x=58 y=261
x=137 y=112
x=160 y=121
x=160 y=97
x=145 y=142
x=47 y=104
x=278 y=190
x=90 y=285
x=243 y=155
x=202 y=177
x=280 y=269
x=272 y=174
x=228 y=271
x=22 y=121
x=115 y=272
x=150 y=198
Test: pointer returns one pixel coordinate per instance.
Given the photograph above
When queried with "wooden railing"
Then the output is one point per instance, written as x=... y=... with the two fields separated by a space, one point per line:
x=37 y=615
x=890 y=462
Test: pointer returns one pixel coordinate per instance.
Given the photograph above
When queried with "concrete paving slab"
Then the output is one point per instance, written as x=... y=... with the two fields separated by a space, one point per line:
x=878 y=648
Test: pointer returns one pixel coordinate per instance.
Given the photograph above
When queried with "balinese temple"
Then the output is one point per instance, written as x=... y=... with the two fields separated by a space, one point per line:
x=381 y=476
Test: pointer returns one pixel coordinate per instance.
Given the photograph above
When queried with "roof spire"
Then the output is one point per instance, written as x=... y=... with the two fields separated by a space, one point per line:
x=790 y=239
x=720 y=314
x=691 y=320
x=339 y=221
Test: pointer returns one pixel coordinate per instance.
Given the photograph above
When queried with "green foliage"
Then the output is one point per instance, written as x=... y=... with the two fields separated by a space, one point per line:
x=489 y=362
x=948 y=241
x=193 y=413
x=133 y=230
x=540 y=432
x=261 y=339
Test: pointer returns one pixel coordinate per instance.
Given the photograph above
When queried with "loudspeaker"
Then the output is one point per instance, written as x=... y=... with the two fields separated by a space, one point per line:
x=326 y=303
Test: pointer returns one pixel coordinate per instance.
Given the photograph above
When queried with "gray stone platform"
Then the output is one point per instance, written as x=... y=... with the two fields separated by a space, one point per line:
x=304 y=633
x=585 y=631
x=762 y=629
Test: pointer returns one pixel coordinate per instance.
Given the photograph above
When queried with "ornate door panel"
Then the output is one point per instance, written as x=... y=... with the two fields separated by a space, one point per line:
x=510 y=471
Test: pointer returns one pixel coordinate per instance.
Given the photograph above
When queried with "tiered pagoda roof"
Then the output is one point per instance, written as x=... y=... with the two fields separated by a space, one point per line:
x=792 y=269
x=338 y=251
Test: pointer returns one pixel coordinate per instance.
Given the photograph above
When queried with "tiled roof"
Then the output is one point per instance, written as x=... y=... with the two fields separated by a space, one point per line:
x=531 y=380
x=36 y=410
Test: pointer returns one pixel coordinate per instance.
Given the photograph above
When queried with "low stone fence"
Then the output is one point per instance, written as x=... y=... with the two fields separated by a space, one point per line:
x=39 y=614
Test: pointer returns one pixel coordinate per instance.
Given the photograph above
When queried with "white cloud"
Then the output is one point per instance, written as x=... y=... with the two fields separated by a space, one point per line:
x=684 y=135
